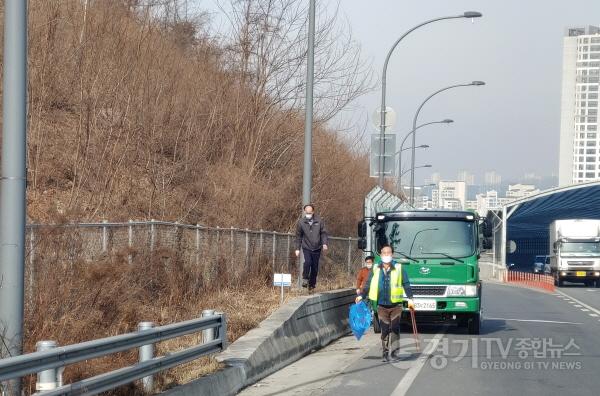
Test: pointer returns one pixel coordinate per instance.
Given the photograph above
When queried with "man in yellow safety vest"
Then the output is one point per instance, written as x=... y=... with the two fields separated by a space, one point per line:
x=387 y=286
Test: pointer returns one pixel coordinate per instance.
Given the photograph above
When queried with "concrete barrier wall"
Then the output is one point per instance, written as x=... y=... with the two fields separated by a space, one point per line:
x=488 y=271
x=302 y=325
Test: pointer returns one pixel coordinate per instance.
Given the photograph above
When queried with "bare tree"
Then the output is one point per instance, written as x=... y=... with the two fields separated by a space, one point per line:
x=267 y=43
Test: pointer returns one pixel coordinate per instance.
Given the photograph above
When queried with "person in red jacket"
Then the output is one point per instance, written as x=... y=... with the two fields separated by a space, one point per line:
x=363 y=274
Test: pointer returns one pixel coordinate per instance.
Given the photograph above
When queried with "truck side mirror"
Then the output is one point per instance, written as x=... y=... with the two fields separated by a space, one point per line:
x=362 y=229
x=362 y=244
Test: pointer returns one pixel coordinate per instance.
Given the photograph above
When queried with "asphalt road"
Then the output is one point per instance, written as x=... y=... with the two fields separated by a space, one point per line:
x=587 y=295
x=532 y=343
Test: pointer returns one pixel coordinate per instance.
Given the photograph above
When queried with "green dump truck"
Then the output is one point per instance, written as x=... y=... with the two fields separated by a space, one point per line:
x=440 y=251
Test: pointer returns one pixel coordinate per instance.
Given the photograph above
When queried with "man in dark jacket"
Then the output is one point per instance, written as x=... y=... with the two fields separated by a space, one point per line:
x=311 y=237
x=387 y=286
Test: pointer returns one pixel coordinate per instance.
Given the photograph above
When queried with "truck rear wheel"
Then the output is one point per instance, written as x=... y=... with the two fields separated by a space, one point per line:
x=474 y=324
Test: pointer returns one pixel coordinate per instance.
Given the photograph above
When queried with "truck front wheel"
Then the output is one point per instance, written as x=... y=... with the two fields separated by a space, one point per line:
x=474 y=324
x=557 y=281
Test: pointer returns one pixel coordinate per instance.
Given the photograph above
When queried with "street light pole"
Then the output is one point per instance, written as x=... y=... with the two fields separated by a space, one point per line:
x=399 y=179
x=412 y=173
x=417 y=167
x=399 y=154
x=13 y=184
x=308 y=121
x=467 y=14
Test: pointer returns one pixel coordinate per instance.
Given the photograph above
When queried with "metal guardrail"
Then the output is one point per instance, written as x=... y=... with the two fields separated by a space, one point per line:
x=214 y=328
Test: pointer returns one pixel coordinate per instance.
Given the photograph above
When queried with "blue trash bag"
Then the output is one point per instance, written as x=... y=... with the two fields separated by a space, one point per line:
x=360 y=319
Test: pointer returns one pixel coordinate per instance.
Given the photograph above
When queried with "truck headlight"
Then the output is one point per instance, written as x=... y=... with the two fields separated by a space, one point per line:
x=471 y=290
x=456 y=291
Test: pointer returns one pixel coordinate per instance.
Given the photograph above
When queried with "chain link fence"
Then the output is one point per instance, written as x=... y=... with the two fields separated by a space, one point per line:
x=205 y=250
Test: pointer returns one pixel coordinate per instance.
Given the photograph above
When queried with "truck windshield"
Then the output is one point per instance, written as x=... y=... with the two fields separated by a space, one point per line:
x=429 y=239
x=580 y=247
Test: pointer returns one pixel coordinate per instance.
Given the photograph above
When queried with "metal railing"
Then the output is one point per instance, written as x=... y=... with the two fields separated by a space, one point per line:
x=50 y=360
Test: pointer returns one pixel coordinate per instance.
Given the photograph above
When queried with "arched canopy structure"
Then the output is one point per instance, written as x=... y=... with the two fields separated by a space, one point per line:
x=529 y=218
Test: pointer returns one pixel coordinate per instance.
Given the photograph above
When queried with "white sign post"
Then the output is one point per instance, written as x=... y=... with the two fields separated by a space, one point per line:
x=282 y=280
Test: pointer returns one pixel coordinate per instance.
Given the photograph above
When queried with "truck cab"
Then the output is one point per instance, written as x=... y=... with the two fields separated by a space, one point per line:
x=575 y=251
x=440 y=250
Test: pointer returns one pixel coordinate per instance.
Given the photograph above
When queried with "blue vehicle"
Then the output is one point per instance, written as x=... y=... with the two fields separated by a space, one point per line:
x=541 y=264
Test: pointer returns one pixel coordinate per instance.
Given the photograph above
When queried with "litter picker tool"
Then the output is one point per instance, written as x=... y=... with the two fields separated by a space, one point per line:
x=414 y=328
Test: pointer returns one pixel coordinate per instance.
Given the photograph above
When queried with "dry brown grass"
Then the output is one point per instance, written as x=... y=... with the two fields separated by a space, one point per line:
x=134 y=116
x=80 y=301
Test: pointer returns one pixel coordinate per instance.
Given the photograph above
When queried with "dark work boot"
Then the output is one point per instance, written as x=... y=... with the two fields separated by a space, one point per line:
x=385 y=356
x=304 y=282
x=395 y=345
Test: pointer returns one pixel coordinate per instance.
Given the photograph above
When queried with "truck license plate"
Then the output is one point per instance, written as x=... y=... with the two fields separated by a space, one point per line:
x=425 y=305
x=580 y=273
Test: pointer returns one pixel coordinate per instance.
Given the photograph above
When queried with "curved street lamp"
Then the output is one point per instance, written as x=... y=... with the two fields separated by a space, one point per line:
x=416 y=167
x=399 y=179
x=467 y=14
x=413 y=131
x=412 y=174
x=423 y=146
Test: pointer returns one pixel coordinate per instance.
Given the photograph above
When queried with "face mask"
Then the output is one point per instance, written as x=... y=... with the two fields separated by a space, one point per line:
x=308 y=216
x=386 y=259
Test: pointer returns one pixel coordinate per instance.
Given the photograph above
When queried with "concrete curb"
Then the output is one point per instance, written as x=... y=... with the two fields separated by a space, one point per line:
x=296 y=329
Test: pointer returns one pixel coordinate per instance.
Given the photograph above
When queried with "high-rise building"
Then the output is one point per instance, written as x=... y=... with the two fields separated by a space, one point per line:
x=487 y=201
x=516 y=191
x=492 y=178
x=579 y=159
x=451 y=194
x=467 y=177
x=434 y=178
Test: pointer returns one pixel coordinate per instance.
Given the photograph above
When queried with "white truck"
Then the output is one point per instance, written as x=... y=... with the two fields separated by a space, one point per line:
x=575 y=251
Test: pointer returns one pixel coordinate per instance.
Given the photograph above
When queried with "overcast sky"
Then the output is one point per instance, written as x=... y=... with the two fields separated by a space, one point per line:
x=511 y=125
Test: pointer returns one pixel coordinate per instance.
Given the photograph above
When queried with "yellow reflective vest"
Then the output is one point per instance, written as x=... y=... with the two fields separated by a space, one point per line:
x=395 y=284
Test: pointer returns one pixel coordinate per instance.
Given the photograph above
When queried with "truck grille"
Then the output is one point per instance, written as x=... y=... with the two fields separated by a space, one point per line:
x=426 y=291
x=580 y=262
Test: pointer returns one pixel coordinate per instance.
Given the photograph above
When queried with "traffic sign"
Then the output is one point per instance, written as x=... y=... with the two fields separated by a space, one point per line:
x=389 y=147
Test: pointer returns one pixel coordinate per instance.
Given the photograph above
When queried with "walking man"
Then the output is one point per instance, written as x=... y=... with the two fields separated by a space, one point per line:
x=311 y=237
x=387 y=285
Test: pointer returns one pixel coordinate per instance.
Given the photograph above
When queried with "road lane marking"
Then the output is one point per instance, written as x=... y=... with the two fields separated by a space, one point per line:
x=582 y=303
x=408 y=378
x=534 y=320
x=577 y=306
x=595 y=315
x=584 y=309
x=590 y=290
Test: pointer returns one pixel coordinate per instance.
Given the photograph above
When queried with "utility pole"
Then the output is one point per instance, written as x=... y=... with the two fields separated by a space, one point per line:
x=308 y=120
x=13 y=183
